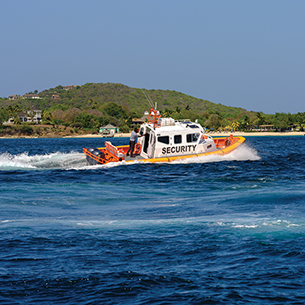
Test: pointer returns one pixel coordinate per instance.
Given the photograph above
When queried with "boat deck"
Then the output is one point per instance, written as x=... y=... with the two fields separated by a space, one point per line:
x=136 y=157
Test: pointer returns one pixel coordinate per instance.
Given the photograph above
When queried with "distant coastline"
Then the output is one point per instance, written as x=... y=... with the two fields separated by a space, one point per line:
x=221 y=134
x=127 y=135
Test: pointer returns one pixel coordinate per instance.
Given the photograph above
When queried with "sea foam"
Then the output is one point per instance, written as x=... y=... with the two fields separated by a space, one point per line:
x=46 y=161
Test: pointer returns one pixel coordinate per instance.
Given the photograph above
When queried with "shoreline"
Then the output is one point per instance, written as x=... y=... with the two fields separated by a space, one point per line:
x=127 y=135
x=221 y=134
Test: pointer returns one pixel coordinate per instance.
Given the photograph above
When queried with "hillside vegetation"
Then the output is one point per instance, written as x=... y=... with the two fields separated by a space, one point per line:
x=95 y=104
x=96 y=94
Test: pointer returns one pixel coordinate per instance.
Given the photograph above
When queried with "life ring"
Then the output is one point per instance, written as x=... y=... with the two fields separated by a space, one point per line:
x=137 y=149
x=227 y=142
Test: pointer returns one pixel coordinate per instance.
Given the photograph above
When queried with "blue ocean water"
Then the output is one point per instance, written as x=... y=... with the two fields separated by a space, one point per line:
x=214 y=230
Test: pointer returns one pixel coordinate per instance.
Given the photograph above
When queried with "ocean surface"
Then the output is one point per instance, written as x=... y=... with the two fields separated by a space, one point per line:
x=214 y=230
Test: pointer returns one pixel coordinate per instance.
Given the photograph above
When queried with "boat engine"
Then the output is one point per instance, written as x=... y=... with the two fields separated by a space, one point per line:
x=100 y=156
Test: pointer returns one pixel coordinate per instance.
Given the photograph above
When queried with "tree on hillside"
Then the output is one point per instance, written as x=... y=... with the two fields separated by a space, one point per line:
x=4 y=115
x=214 y=121
x=166 y=113
x=281 y=121
x=261 y=120
x=17 y=120
x=59 y=88
x=58 y=114
x=10 y=110
x=244 y=122
x=56 y=122
x=114 y=110
x=17 y=109
x=70 y=114
x=205 y=115
x=14 y=112
x=95 y=112
x=46 y=117
x=124 y=128
x=235 y=125
x=300 y=119
x=90 y=121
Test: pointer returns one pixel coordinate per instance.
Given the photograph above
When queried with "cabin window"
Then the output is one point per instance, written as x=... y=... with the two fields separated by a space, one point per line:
x=192 y=137
x=163 y=139
x=178 y=139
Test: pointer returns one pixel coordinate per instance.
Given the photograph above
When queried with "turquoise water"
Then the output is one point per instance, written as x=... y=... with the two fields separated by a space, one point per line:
x=213 y=230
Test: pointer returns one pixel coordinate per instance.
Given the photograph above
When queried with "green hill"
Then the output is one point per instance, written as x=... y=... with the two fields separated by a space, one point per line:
x=96 y=94
x=96 y=104
x=85 y=108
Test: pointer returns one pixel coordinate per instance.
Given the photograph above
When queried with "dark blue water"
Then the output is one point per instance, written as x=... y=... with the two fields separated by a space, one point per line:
x=215 y=230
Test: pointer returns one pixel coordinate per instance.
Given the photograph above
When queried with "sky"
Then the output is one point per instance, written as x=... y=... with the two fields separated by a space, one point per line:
x=245 y=53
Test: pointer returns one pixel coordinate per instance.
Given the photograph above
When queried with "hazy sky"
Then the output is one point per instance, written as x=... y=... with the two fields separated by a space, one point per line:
x=248 y=54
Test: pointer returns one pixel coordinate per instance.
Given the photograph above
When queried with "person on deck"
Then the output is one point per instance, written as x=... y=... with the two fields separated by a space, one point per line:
x=132 y=141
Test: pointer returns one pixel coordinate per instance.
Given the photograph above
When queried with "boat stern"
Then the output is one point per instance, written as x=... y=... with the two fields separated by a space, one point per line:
x=94 y=156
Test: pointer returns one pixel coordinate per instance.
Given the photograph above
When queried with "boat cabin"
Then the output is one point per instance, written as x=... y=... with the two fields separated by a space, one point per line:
x=172 y=138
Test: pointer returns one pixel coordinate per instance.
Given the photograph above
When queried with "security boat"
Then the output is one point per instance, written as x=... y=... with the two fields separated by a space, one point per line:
x=165 y=140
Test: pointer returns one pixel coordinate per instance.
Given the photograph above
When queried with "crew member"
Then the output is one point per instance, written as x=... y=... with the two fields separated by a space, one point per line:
x=132 y=141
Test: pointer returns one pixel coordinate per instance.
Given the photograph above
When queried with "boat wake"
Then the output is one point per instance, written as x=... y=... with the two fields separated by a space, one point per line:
x=56 y=160
x=75 y=160
x=242 y=153
x=240 y=224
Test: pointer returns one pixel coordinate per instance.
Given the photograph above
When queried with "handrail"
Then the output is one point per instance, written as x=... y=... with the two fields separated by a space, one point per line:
x=113 y=150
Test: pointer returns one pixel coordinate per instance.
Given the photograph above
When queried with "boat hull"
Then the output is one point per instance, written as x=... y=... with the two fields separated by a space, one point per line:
x=103 y=155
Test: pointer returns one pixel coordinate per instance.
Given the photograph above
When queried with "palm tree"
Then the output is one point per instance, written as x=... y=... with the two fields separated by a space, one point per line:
x=17 y=109
x=235 y=124
x=10 y=110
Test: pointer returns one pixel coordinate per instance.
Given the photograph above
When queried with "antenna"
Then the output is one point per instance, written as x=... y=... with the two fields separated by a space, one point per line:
x=148 y=99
